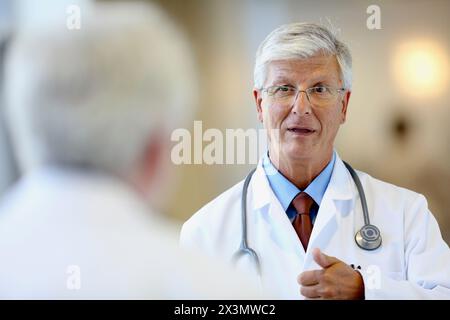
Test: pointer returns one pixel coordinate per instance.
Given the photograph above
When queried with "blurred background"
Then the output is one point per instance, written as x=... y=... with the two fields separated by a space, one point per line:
x=398 y=121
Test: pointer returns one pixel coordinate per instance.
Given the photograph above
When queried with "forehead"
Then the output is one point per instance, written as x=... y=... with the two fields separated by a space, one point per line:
x=313 y=69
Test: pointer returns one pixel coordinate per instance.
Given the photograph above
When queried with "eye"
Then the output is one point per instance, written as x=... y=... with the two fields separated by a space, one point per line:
x=282 y=89
x=319 y=90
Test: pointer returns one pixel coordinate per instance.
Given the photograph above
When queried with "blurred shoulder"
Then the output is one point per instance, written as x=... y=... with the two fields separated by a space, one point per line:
x=217 y=207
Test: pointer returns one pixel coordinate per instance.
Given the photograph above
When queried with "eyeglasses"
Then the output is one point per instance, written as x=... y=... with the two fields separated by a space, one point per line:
x=319 y=96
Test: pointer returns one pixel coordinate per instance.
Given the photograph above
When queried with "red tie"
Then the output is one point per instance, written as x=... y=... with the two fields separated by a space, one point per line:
x=302 y=222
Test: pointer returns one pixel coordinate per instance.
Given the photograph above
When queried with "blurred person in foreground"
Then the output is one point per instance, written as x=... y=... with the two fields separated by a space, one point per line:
x=89 y=112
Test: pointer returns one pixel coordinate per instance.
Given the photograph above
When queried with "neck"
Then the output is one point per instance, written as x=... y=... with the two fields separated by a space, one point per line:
x=301 y=172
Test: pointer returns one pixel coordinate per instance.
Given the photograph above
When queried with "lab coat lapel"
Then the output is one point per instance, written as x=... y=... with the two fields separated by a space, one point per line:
x=327 y=220
x=278 y=225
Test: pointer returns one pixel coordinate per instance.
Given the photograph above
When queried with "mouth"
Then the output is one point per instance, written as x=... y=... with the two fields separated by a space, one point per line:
x=303 y=131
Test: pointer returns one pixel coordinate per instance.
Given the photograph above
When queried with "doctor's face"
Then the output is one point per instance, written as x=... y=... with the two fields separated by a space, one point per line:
x=298 y=131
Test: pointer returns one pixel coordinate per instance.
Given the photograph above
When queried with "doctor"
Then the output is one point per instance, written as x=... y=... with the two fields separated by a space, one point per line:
x=304 y=208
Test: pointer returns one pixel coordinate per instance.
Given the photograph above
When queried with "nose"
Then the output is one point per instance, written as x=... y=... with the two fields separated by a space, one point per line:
x=301 y=104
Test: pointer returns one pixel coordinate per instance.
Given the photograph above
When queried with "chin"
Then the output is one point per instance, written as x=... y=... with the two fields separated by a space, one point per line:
x=297 y=151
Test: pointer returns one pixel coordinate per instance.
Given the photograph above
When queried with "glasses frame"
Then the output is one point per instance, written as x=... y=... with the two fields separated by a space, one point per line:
x=306 y=91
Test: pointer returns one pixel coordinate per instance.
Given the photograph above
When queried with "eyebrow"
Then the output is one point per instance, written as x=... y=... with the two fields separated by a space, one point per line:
x=320 y=79
x=280 y=80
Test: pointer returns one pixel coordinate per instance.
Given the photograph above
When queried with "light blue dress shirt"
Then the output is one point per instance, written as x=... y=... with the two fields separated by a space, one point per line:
x=286 y=191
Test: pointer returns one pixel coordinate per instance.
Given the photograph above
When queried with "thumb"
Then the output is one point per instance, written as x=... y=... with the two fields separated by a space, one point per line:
x=322 y=259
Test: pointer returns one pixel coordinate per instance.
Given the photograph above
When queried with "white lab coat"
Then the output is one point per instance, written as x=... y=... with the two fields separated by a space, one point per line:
x=412 y=263
x=68 y=234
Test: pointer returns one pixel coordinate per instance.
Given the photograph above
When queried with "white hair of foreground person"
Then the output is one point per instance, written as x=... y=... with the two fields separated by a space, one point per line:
x=94 y=97
x=301 y=41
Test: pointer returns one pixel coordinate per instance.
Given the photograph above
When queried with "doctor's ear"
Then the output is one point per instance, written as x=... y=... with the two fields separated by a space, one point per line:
x=345 y=100
x=258 y=101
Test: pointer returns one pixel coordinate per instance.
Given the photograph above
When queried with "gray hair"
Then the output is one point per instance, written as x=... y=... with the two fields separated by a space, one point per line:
x=95 y=97
x=300 y=41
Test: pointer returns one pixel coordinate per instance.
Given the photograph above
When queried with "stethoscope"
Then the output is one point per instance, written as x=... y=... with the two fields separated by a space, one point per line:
x=367 y=238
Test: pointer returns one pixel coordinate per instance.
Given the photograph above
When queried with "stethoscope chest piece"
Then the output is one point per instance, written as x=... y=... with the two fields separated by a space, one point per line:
x=368 y=238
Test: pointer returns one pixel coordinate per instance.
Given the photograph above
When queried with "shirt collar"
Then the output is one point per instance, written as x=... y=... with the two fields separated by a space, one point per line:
x=286 y=191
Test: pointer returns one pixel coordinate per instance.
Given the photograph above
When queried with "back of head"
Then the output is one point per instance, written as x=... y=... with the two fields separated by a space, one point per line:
x=94 y=97
x=300 y=41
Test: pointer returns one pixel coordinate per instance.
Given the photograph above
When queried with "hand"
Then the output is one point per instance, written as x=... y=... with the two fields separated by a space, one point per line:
x=336 y=280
